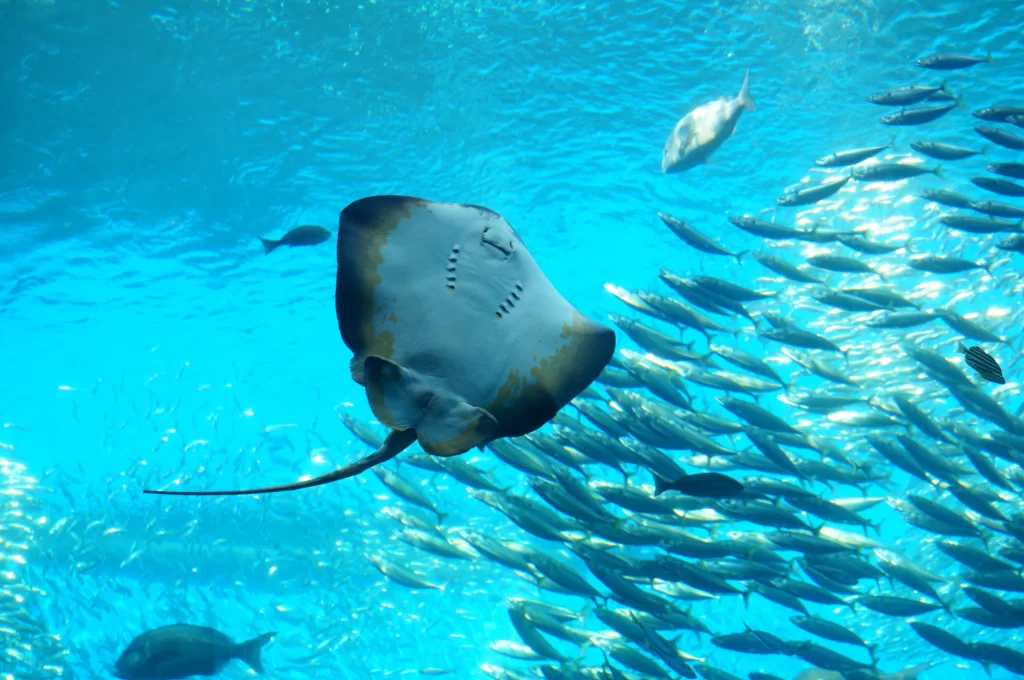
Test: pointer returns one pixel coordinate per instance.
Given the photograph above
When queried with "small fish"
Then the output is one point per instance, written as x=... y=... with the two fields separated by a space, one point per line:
x=999 y=114
x=997 y=209
x=943 y=152
x=938 y=264
x=1003 y=187
x=978 y=225
x=1014 y=170
x=982 y=362
x=299 y=236
x=951 y=62
x=695 y=239
x=1002 y=138
x=705 y=485
x=1013 y=244
x=863 y=245
x=917 y=116
x=841 y=159
x=905 y=96
x=889 y=172
x=946 y=197
x=812 y=194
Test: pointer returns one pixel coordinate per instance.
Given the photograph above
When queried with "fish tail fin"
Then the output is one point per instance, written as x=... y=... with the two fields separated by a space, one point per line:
x=249 y=652
x=660 y=485
x=739 y=256
x=745 y=100
x=988 y=57
x=441 y=516
x=938 y=172
x=269 y=245
x=872 y=650
x=985 y=149
x=960 y=347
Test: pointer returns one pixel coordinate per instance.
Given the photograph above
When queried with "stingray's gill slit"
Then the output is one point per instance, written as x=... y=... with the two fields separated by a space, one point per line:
x=435 y=378
x=453 y=259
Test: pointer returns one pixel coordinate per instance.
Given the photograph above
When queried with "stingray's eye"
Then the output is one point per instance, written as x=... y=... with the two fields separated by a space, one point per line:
x=498 y=239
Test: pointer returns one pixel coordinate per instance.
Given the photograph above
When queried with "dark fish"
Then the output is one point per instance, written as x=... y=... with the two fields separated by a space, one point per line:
x=917 y=116
x=999 y=114
x=978 y=225
x=943 y=640
x=889 y=172
x=299 y=236
x=812 y=194
x=946 y=197
x=841 y=159
x=695 y=239
x=894 y=605
x=943 y=152
x=1015 y=170
x=951 y=62
x=1016 y=120
x=1012 y=243
x=182 y=650
x=1001 y=137
x=905 y=96
x=982 y=362
x=999 y=186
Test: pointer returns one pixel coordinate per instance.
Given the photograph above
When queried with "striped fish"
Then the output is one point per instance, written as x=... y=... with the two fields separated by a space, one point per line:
x=982 y=362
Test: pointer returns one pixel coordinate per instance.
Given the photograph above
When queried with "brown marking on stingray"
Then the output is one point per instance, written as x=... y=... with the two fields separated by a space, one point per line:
x=354 y=289
x=521 y=406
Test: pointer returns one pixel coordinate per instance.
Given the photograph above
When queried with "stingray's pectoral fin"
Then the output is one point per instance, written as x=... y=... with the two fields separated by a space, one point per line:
x=395 y=443
x=403 y=399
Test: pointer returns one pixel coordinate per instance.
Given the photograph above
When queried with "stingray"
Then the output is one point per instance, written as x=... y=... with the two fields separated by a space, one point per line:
x=457 y=335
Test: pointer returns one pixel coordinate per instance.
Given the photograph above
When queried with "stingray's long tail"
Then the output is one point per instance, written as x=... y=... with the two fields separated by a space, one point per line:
x=396 y=442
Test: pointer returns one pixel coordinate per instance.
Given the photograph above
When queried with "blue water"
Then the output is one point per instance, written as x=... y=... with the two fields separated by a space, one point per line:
x=144 y=335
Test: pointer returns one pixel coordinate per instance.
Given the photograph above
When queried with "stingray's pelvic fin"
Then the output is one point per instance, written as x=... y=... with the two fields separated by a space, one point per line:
x=396 y=442
x=402 y=399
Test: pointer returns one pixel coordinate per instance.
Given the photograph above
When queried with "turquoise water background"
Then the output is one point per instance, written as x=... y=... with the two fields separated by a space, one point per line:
x=143 y=149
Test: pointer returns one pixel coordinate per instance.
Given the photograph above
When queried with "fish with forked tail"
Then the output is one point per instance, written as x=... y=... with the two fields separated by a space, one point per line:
x=182 y=650
x=299 y=236
x=702 y=131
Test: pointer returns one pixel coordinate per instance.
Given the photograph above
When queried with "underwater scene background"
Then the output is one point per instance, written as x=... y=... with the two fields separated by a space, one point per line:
x=146 y=339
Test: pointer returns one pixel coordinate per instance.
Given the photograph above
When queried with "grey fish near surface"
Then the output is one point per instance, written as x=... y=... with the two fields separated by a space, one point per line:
x=889 y=172
x=978 y=225
x=841 y=159
x=702 y=131
x=999 y=114
x=1014 y=170
x=943 y=152
x=946 y=197
x=951 y=62
x=183 y=650
x=939 y=264
x=918 y=116
x=905 y=96
x=299 y=236
x=982 y=362
x=811 y=194
x=999 y=186
x=694 y=238
x=1001 y=137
